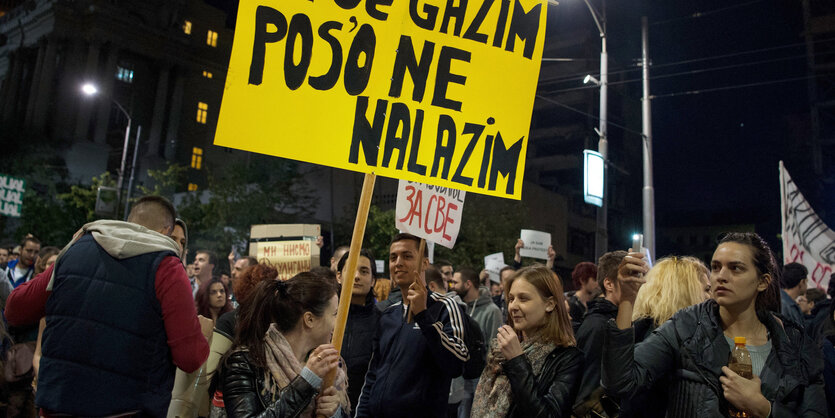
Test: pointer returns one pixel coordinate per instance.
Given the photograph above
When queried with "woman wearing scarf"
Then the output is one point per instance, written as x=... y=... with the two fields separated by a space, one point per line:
x=533 y=368
x=282 y=352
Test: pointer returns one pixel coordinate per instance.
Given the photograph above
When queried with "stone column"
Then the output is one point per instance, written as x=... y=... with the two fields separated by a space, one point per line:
x=82 y=124
x=45 y=84
x=159 y=111
x=174 y=116
x=36 y=81
x=104 y=101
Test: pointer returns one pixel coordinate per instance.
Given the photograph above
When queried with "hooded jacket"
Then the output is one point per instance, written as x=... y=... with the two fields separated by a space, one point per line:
x=691 y=349
x=412 y=363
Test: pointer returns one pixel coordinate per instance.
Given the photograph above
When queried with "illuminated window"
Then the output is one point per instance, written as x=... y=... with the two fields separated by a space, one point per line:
x=187 y=27
x=207 y=74
x=192 y=187
x=196 y=158
x=202 y=111
x=124 y=74
x=211 y=38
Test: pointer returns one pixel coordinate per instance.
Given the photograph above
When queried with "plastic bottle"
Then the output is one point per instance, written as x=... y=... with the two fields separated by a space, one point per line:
x=740 y=363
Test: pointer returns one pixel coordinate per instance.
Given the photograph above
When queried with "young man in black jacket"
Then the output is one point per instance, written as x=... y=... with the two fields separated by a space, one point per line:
x=590 y=334
x=414 y=361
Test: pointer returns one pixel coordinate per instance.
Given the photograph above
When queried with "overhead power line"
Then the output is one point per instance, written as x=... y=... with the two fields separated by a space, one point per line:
x=698 y=15
x=736 y=86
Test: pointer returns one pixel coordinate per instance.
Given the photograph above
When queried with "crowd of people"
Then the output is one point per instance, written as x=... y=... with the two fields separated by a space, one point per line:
x=119 y=323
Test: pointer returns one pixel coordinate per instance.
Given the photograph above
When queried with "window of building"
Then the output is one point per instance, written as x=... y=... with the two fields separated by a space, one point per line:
x=202 y=111
x=192 y=187
x=196 y=158
x=207 y=74
x=124 y=74
x=211 y=38
x=187 y=27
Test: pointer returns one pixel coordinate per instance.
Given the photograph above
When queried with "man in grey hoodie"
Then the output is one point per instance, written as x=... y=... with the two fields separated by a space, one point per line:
x=487 y=315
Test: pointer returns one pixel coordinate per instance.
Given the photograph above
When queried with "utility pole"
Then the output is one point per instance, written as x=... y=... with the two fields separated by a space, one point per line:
x=601 y=241
x=132 y=172
x=648 y=190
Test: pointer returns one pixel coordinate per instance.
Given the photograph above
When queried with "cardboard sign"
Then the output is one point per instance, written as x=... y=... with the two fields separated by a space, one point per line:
x=494 y=263
x=536 y=244
x=429 y=212
x=416 y=90
x=288 y=257
x=11 y=195
x=806 y=239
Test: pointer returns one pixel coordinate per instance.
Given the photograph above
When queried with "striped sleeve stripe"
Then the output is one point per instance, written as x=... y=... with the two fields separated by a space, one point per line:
x=455 y=344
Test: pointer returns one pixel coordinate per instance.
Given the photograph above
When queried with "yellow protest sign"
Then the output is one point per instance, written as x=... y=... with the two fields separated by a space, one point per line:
x=434 y=91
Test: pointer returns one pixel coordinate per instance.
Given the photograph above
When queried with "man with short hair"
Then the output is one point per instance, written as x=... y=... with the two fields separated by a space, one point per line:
x=445 y=267
x=119 y=318
x=488 y=316
x=180 y=236
x=793 y=284
x=418 y=345
x=242 y=264
x=21 y=270
x=337 y=255
x=204 y=266
x=4 y=257
x=591 y=331
x=435 y=280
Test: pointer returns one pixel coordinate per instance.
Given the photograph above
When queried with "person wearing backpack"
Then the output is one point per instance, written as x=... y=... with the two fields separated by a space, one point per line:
x=533 y=367
x=488 y=318
x=419 y=344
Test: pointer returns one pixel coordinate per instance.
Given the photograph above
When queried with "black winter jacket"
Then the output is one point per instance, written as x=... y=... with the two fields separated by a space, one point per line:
x=551 y=394
x=244 y=396
x=357 y=346
x=590 y=340
x=691 y=349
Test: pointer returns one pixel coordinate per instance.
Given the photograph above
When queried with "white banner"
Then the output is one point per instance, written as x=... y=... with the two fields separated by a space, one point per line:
x=536 y=244
x=429 y=212
x=806 y=239
x=494 y=263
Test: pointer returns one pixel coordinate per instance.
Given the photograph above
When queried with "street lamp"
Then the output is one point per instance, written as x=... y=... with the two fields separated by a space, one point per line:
x=90 y=89
x=601 y=239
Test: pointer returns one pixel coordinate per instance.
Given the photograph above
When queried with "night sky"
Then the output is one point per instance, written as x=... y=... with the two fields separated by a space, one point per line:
x=716 y=153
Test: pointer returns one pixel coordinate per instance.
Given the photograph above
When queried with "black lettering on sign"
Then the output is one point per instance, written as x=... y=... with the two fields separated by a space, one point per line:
x=426 y=22
x=444 y=77
x=294 y=74
x=525 y=25
x=454 y=11
x=356 y=75
x=399 y=117
x=485 y=161
x=475 y=130
x=418 y=70
x=413 y=166
x=498 y=37
x=264 y=16
x=328 y=80
x=445 y=124
x=505 y=161
x=347 y=4
x=371 y=8
x=367 y=134
x=472 y=30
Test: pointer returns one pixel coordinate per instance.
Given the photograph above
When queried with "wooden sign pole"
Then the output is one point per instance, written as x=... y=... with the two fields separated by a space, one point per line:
x=351 y=267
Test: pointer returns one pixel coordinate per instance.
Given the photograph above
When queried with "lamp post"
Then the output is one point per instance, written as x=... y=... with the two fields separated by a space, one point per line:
x=602 y=237
x=90 y=89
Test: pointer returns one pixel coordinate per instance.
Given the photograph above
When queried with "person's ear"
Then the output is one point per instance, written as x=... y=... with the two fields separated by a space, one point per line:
x=309 y=319
x=550 y=304
x=765 y=281
x=339 y=277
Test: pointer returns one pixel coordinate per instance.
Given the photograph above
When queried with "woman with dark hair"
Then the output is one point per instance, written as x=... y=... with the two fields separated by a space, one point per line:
x=533 y=368
x=212 y=300
x=282 y=352
x=692 y=348
x=362 y=321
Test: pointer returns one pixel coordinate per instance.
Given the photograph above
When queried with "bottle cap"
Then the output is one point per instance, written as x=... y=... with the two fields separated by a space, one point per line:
x=739 y=340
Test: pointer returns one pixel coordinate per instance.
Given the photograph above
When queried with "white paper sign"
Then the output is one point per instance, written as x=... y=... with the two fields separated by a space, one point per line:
x=493 y=264
x=429 y=212
x=381 y=267
x=806 y=239
x=536 y=244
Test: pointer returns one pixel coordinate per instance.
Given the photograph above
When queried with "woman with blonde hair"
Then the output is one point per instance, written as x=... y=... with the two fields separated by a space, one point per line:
x=672 y=284
x=533 y=368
